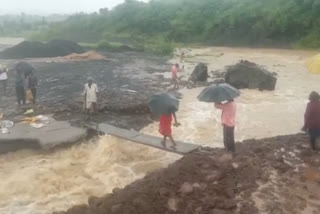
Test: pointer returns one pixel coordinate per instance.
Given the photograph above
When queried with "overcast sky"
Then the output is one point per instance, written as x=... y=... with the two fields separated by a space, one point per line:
x=55 y=6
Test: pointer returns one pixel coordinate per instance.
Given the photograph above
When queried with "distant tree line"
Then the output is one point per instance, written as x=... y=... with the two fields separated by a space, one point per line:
x=276 y=23
x=23 y=25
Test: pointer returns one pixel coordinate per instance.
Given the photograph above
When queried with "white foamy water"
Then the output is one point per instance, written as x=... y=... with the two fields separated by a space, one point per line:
x=38 y=183
x=34 y=182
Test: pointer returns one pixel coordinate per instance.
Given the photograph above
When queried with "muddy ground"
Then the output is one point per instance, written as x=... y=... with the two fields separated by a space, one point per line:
x=125 y=81
x=277 y=175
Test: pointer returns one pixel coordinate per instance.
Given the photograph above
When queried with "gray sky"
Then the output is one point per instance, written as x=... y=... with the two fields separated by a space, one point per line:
x=55 y=6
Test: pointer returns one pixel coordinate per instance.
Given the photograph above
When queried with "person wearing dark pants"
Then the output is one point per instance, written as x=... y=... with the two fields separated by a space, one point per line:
x=32 y=83
x=228 y=138
x=21 y=97
x=312 y=118
x=228 y=122
x=20 y=88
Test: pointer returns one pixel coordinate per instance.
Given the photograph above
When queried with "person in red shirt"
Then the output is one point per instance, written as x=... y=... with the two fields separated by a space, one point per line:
x=312 y=118
x=165 y=128
x=174 y=71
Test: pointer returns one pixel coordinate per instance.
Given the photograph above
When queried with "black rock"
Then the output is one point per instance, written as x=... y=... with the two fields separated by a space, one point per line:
x=200 y=73
x=246 y=74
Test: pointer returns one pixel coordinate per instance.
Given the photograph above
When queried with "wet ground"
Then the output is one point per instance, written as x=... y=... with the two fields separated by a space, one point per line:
x=277 y=175
x=125 y=83
x=64 y=178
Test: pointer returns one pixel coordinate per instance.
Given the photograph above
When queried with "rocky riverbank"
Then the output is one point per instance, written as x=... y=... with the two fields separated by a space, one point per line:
x=275 y=175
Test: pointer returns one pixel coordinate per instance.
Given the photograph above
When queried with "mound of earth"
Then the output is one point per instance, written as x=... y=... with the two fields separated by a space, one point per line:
x=91 y=55
x=276 y=175
x=33 y=49
x=246 y=74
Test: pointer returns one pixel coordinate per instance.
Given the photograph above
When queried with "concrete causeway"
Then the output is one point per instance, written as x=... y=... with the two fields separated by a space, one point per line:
x=56 y=133
x=148 y=140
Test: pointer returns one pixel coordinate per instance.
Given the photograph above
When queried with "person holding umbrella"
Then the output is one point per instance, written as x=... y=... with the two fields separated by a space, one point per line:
x=165 y=128
x=223 y=96
x=228 y=122
x=165 y=105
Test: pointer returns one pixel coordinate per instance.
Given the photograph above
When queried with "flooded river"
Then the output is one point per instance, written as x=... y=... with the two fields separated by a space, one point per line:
x=34 y=182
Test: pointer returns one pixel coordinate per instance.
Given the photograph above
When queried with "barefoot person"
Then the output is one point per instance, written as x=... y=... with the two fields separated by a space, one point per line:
x=90 y=96
x=174 y=71
x=312 y=118
x=165 y=128
x=228 y=122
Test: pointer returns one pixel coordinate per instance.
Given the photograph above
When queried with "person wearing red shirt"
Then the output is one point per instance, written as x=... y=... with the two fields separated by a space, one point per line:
x=312 y=118
x=165 y=128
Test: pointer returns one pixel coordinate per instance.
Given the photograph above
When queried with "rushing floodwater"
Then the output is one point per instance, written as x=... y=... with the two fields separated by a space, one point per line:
x=37 y=183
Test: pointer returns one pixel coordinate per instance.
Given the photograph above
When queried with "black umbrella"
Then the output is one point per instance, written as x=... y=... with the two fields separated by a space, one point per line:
x=24 y=67
x=163 y=104
x=218 y=93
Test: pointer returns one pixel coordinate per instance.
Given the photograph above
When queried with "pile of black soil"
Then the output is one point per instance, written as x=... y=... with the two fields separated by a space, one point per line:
x=124 y=83
x=33 y=49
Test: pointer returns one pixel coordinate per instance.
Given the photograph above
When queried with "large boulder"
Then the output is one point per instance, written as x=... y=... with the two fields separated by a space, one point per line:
x=246 y=74
x=31 y=49
x=200 y=73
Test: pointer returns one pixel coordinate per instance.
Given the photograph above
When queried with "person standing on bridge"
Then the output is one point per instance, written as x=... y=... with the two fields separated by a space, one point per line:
x=165 y=128
x=90 y=96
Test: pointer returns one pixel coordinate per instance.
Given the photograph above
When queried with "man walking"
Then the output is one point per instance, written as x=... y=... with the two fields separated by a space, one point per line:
x=90 y=96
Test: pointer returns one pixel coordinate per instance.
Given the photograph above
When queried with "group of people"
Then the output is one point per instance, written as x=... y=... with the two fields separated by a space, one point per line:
x=228 y=116
x=228 y=108
x=25 y=85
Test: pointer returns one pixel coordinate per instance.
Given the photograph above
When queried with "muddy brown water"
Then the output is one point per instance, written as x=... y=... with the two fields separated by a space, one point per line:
x=38 y=183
